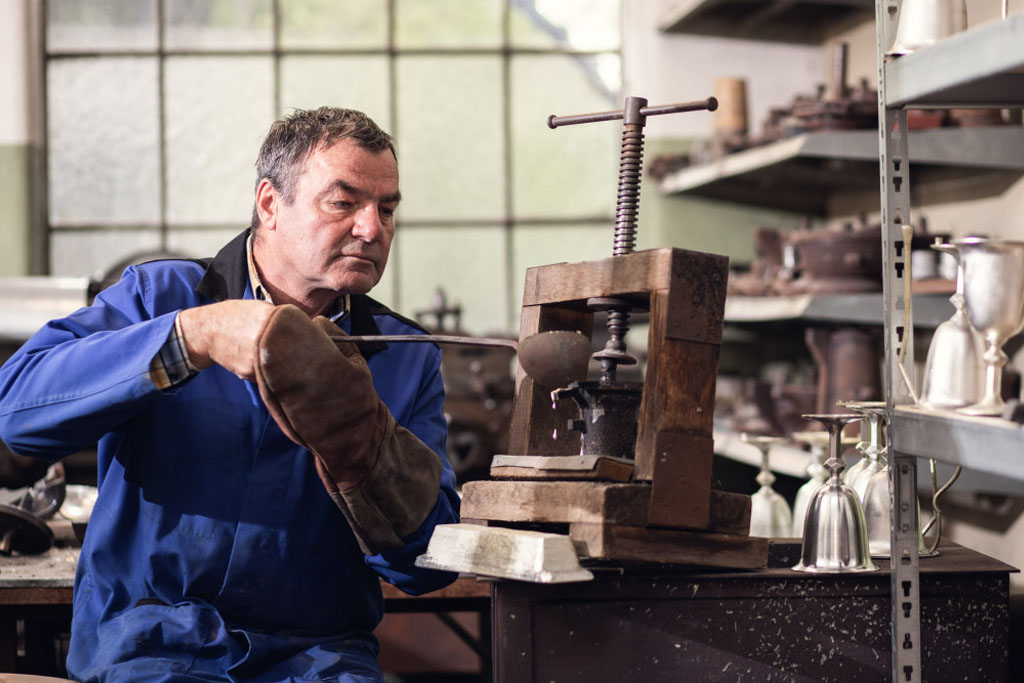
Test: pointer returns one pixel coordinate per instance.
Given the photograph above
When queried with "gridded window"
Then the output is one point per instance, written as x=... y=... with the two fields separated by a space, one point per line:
x=156 y=110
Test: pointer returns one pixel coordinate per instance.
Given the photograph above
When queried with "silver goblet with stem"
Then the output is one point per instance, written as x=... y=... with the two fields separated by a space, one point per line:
x=816 y=476
x=954 y=375
x=873 y=413
x=835 y=535
x=993 y=272
x=770 y=516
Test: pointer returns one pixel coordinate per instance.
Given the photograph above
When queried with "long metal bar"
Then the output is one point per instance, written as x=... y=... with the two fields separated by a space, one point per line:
x=710 y=104
x=894 y=162
x=428 y=338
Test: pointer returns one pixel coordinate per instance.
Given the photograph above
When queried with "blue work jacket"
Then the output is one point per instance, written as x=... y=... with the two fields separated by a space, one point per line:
x=213 y=551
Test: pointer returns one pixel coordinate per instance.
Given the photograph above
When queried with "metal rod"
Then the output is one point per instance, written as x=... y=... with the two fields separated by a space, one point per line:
x=429 y=338
x=711 y=104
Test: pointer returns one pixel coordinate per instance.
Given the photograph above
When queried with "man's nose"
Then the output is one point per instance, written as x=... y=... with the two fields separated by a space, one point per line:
x=368 y=225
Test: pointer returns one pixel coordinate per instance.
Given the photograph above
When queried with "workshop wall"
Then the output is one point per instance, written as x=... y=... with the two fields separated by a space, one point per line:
x=21 y=131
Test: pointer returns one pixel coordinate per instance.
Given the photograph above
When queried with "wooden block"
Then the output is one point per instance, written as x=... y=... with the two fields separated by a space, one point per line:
x=640 y=544
x=556 y=501
x=561 y=467
x=627 y=276
x=533 y=419
x=679 y=390
x=697 y=280
x=696 y=296
x=565 y=502
x=730 y=513
x=681 y=481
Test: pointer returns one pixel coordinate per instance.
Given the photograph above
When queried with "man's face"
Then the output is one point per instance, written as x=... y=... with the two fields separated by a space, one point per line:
x=337 y=232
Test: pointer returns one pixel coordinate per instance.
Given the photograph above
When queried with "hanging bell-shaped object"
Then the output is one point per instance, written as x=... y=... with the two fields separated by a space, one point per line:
x=923 y=22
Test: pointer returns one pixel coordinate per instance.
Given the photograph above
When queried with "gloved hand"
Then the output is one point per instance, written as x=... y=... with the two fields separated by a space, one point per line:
x=224 y=333
x=380 y=475
x=321 y=394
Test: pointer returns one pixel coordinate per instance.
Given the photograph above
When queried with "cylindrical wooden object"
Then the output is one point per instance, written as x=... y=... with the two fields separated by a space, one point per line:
x=731 y=115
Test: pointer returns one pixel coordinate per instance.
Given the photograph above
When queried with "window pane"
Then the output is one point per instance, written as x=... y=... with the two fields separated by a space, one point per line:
x=200 y=243
x=448 y=23
x=352 y=24
x=218 y=112
x=353 y=82
x=450 y=147
x=90 y=25
x=569 y=171
x=103 y=144
x=566 y=24
x=468 y=263
x=539 y=245
x=218 y=24
x=92 y=253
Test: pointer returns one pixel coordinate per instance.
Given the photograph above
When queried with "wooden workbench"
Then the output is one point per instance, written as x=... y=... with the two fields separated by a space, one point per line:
x=651 y=624
x=36 y=590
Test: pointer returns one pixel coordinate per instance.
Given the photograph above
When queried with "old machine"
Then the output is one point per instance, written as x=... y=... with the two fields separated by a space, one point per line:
x=624 y=467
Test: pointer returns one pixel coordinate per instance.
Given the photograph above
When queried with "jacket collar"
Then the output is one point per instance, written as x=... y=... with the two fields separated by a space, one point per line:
x=227 y=276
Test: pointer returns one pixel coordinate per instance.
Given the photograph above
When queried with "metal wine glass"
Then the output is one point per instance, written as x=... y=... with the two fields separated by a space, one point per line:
x=994 y=298
x=770 y=516
x=835 y=534
x=954 y=375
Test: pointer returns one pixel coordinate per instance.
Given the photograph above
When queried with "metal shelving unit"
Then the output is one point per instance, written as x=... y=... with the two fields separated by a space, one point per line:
x=982 y=444
x=930 y=310
x=804 y=172
x=789 y=21
x=977 y=68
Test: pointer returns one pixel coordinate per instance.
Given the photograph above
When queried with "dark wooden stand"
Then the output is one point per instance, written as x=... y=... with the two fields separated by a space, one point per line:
x=655 y=624
x=668 y=504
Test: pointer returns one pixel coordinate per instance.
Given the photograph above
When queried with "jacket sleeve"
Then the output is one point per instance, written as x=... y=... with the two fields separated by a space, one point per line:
x=82 y=376
x=427 y=423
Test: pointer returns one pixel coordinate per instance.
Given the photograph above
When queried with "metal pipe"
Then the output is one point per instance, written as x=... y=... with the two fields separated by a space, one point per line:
x=709 y=104
x=431 y=338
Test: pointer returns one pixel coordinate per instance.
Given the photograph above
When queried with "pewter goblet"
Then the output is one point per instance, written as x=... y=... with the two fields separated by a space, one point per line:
x=770 y=516
x=835 y=536
x=994 y=297
x=873 y=461
x=816 y=472
x=818 y=441
x=878 y=516
x=954 y=375
x=862 y=446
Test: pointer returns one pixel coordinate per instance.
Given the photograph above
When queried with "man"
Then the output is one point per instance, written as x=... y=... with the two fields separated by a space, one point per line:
x=255 y=479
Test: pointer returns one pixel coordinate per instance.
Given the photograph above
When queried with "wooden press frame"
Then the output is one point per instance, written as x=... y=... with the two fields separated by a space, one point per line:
x=685 y=294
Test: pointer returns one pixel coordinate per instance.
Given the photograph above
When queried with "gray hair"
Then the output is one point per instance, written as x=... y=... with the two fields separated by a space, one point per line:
x=293 y=138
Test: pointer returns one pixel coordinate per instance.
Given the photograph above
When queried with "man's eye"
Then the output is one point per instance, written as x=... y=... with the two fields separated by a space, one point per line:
x=341 y=204
x=385 y=211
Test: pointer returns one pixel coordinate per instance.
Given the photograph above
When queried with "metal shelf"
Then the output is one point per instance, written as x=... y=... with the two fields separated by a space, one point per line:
x=804 y=172
x=790 y=21
x=983 y=444
x=980 y=67
x=27 y=303
x=790 y=459
x=930 y=310
x=787 y=459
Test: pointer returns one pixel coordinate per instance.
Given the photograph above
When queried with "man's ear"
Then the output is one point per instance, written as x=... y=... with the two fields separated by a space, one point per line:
x=268 y=201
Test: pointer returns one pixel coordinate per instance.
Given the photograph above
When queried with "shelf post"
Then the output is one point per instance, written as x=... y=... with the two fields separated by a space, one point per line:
x=894 y=168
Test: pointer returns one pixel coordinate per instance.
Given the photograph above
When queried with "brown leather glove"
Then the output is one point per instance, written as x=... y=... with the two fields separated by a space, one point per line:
x=382 y=477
